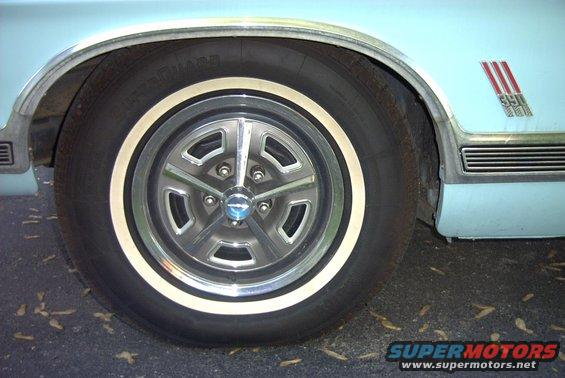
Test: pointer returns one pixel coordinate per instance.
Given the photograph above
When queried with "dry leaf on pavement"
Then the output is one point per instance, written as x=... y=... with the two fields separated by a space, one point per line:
x=40 y=295
x=85 y=292
x=495 y=336
x=485 y=310
x=388 y=324
x=21 y=311
x=21 y=336
x=527 y=297
x=55 y=324
x=234 y=351
x=48 y=258
x=442 y=334
x=290 y=362
x=424 y=328
x=108 y=328
x=129 y=357
x=40 y=309
x=434 y=269
x=557 y=328
x=521 y=324
x=104 y=316
x=69 y=311
x=368 y=356
x=424 y=309
x=335 y=355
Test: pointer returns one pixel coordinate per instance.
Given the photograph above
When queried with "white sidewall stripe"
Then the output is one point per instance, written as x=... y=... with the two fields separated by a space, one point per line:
x=191 y=301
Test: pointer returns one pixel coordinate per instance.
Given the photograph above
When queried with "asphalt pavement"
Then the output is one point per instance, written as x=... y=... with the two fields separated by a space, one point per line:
x=436 y=293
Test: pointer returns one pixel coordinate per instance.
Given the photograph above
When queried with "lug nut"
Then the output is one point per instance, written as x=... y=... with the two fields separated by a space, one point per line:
x=223 y=169
x=257 y=173
x=210 y=200
x=263 y=207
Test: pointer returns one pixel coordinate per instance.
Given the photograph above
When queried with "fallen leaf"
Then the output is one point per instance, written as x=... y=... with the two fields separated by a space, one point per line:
x=55 y=324
x=40 y=295
x=368 y=356
x=40 y=309
x=560 y=278
x=562 y=356
x=35 y=216
x=108 y=328
x=290 y=362
x=424 y=328
x=69 y=311
x=21 y=311
x=377 y=316
x=442 y=334
x=30 y=222
x=234 y=351
x=552 y=253
x=557 y=264
x=33 y=209
x=495 y=336
x=72 y=270
x=48 y=258
x=335 y=355
x=557 y=328
x=129 y=357
x=51 y=217
x=437 y=270
x=424 y=309
x=527 y=297
x=521 y=324
x=484 y=312
x=21 y=336
x=388 y=324
x=27 y=237
x=255 y=350
x=85 y=292
x=104 y=316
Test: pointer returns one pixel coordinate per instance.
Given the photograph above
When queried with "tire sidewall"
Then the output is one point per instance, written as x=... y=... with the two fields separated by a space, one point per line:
x=111 y=103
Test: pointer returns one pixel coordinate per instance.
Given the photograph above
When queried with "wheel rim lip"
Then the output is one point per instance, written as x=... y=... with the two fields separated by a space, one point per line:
x=175 y=266
x=221 y=307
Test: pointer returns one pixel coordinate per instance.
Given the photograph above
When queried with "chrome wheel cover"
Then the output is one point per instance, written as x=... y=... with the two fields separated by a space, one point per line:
x=216 y=188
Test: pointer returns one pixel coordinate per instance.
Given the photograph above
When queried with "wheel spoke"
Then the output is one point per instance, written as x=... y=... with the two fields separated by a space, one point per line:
x=244 y=130
x=271 y=251
x=195 y=246
x=178 y=174
x=291 y=187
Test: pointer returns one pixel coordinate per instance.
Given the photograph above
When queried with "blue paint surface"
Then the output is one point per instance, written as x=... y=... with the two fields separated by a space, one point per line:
x=505 y=210
x=18 y=184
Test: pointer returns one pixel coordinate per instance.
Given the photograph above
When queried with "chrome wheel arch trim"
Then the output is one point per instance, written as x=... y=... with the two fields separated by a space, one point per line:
x=435 y=100
x=318 y=281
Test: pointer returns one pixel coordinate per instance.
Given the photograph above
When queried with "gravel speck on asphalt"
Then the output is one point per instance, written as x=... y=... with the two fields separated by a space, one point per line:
x=434 y=294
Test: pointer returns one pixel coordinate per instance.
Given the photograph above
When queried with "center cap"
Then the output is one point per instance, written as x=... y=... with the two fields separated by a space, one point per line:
x=238 y=206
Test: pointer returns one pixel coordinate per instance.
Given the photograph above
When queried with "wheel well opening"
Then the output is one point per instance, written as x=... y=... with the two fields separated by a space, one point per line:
x=53 y=107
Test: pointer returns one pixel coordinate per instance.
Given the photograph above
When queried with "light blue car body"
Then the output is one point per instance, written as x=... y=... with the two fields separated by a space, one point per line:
x=446 y=40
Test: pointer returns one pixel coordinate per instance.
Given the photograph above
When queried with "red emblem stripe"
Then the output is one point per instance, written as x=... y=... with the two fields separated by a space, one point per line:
x=513 y=81
x=486 y=67
x=501 y=77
